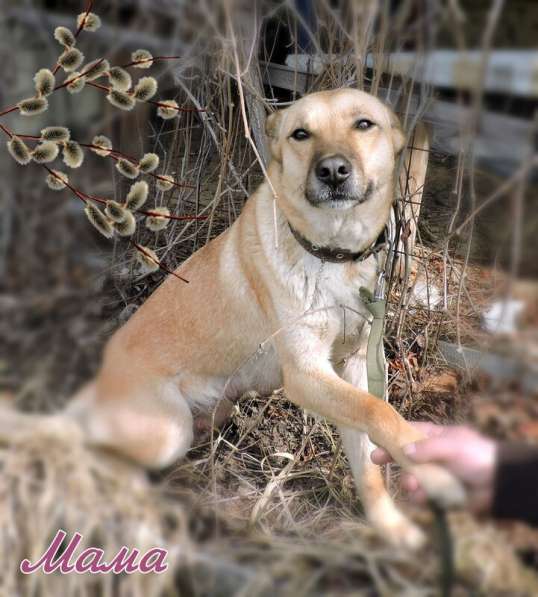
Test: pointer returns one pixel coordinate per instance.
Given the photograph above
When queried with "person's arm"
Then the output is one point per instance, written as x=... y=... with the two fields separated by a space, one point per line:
x=501 y=479
x=515 y=493
x=468 y=455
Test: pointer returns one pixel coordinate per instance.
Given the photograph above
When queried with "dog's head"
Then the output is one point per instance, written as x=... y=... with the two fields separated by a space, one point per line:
x=335 y=151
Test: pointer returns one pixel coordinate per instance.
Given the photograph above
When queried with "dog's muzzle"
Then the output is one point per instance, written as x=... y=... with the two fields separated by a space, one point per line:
x=332 y=182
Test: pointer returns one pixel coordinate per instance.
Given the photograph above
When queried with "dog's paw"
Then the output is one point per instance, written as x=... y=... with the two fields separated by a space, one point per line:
x=403 y=534
x=396 y=528
x=440 y=485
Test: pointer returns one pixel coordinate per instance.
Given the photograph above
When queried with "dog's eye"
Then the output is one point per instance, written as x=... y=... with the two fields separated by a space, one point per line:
x=300 y=135
x=364 y=124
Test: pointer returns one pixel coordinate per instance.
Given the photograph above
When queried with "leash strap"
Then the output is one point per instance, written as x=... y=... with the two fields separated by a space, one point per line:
x=375 y=352
x=376 y=304
x=446 y=545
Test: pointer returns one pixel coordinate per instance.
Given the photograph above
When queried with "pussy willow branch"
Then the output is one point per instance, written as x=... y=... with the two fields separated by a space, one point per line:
x=153 y=59
x=79 y=194
x=103 y=201
x=8 y=110
x=89 y=7
x=83 y=21
x=115 y=155
x=68 y=81
x=85 y=196
x=5 y=130
x=153 y=102
x=161 y=266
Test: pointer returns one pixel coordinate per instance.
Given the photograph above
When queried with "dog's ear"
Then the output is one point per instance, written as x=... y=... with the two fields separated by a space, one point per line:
x=272 y=125
x=398 y=136
x=272 y=130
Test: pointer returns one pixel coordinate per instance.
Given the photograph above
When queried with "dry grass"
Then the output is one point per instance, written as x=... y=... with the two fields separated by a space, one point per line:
x=266 y=506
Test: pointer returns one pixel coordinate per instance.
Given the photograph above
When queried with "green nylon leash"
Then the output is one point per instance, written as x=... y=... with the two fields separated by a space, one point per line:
x=376 y=305
x=375 y=352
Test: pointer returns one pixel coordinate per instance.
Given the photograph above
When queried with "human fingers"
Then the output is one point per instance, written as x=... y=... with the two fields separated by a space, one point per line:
x=409 y=482
x=380 y=456
x=418 y=496
x=438 y=448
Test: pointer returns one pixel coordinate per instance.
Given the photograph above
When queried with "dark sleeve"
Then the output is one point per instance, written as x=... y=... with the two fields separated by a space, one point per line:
x=516 y=483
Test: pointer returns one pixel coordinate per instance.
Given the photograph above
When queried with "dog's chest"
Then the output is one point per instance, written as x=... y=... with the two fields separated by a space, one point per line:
x=331 y=293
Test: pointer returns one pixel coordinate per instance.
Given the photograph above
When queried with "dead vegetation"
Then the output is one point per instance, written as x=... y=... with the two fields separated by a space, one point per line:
x=267 y=506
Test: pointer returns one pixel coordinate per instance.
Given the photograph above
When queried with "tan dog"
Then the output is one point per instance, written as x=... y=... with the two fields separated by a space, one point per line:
x=256 y=285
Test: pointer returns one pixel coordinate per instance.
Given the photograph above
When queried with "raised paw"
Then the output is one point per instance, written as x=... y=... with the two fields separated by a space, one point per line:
x=440 y=485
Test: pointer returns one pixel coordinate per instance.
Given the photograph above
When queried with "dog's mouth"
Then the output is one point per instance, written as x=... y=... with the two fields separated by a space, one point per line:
x=337 y=198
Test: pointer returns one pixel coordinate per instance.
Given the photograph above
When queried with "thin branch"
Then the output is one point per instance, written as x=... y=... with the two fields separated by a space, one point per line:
x=246 y=127
x=161 y=266
x=77 y=32
x=152 y=102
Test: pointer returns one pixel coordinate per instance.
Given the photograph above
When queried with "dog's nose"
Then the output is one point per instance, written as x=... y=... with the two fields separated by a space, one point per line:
x=333 y=171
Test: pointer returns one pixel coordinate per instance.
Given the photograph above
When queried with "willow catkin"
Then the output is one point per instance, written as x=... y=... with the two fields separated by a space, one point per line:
x=73 y=155
x=96 y=69
x=121 y=100
x=119 y=78
x=88 y=21
x=145 y=89
x=115 y=211
x=102 y=145
x=58 y=134
x=77 y=83
x=167 y=109
x=137 y=195
x=19 y=151
x=143 y=58
x=158 y=220
x=45 y=152
x=127 y=226
x=165 y=182
x=71 y=59
x=98 y=220
x=127 y=168
x=32 y=106
x=57 y=180
x=44 y=82
x=64 y=36
x=147 y=258
x=148 y=163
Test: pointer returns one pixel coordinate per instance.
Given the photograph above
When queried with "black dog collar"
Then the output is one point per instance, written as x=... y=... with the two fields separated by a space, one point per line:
x=337 y=255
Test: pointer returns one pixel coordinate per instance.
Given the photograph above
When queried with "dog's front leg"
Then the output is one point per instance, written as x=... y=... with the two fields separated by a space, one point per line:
x=379 y=507
x=311 y=382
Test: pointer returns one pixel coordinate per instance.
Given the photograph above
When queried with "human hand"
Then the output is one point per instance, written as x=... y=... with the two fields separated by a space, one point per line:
x=471 y=457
